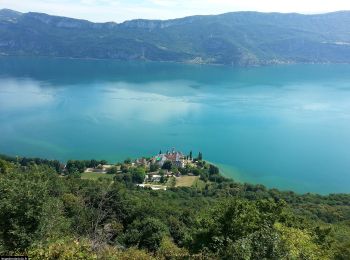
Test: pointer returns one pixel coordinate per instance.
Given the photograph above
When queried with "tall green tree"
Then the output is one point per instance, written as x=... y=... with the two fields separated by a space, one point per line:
x=200 y=156
x=147 y=234
x=213 y=170
x=28 y=211
x=167 y=165
x=234 y=220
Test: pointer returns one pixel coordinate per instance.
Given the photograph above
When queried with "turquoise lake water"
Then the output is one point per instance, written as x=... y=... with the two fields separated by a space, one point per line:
x=282 y=126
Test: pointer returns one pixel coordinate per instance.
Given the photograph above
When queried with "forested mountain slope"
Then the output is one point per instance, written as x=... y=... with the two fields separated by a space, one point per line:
x=241 y=38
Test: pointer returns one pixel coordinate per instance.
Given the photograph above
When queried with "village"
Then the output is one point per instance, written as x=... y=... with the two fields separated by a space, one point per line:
x=159 y=172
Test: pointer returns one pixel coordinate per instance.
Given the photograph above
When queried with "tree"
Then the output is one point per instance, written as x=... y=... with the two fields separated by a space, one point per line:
x=200 y=164
x=213 y=170
x=169 y=250
x=167 y=165
x=127 y=178
x=196 y=171
x=3 y=166
x=234 y=220
x=49 y=216
x=103 y=162
x=147 y=234
x=127 y=161
x=200 y=156
x=74 y=166
x=138 y=175
x=153 y=167
x=124 y=168
x=262 y=244
x=112 y=170
x=162 y=176
x=191 y=155
x=299 y=244
x=175 y=170
x=162 y=179
x=27 y=212
x=119 y=178
x=93 y=163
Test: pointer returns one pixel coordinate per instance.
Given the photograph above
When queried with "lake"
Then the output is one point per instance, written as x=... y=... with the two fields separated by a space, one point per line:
x=282 y=126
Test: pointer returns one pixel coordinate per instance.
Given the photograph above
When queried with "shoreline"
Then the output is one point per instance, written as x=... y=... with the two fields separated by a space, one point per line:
x=189 y=62
x=227 y=171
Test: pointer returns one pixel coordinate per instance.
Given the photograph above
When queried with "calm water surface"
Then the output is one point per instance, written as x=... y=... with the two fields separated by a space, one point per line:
x=282 y=126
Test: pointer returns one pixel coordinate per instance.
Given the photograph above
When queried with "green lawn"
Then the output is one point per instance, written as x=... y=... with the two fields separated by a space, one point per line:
x=199 y=184
x=171 y=182
x=186 y=181
x=95 y=175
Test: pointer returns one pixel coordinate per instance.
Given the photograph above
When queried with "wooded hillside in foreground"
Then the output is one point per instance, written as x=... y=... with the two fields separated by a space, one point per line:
x=46 y=215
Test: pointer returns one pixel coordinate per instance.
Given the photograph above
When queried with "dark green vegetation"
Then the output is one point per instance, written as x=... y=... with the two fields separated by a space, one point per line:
x=243 y=38
x=50 y=216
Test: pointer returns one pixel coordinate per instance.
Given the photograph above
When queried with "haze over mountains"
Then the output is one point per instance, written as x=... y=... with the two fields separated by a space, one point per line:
x=241 y=38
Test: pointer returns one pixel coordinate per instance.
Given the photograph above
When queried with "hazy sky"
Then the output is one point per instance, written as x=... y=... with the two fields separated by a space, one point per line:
x=120 y=10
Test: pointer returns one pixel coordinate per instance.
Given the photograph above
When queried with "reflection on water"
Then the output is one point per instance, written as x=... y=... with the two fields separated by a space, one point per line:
x=283 y=126
x=122 y=102
x=22 y=94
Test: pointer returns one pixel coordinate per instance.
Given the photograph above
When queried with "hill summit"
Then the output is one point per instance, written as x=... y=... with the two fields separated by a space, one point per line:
x=239 y=38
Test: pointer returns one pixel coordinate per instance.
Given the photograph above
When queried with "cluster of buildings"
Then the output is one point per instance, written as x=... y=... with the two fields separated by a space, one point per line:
x=153 y=187
x=99 y=169
x=176 y=158
x=158 y=176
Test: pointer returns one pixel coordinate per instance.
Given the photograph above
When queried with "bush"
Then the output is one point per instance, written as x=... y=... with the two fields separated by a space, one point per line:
x=112 y=170
x=147 y=234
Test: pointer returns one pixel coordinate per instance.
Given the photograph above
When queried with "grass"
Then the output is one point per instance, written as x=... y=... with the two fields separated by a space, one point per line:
x=95 y=176
x=171 y=182
x=199 y=184
x=186 y=181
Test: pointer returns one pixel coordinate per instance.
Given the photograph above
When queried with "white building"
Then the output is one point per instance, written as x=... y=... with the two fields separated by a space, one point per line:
x=176 y=158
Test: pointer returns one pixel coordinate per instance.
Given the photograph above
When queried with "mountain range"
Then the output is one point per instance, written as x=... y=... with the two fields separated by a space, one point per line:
x=239 y=38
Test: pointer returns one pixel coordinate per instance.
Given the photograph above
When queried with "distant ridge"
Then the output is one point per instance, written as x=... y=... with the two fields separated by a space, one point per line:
x=8 y=14
x=239 y=38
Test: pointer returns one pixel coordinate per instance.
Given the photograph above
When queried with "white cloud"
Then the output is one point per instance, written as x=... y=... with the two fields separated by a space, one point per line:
x=120 y=10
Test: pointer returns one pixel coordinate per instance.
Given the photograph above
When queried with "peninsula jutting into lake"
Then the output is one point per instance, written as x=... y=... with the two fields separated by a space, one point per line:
x=152 y=208
x=282 y=126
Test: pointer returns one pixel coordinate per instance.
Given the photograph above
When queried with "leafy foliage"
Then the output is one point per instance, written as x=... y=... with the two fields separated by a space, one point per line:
x=50 y=216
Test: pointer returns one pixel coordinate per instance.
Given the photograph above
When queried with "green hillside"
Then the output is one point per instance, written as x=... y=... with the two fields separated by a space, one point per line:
x=49 y=214
x=242 y=38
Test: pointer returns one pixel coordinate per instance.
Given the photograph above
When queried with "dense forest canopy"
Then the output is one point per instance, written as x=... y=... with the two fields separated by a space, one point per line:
x=49 y=215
